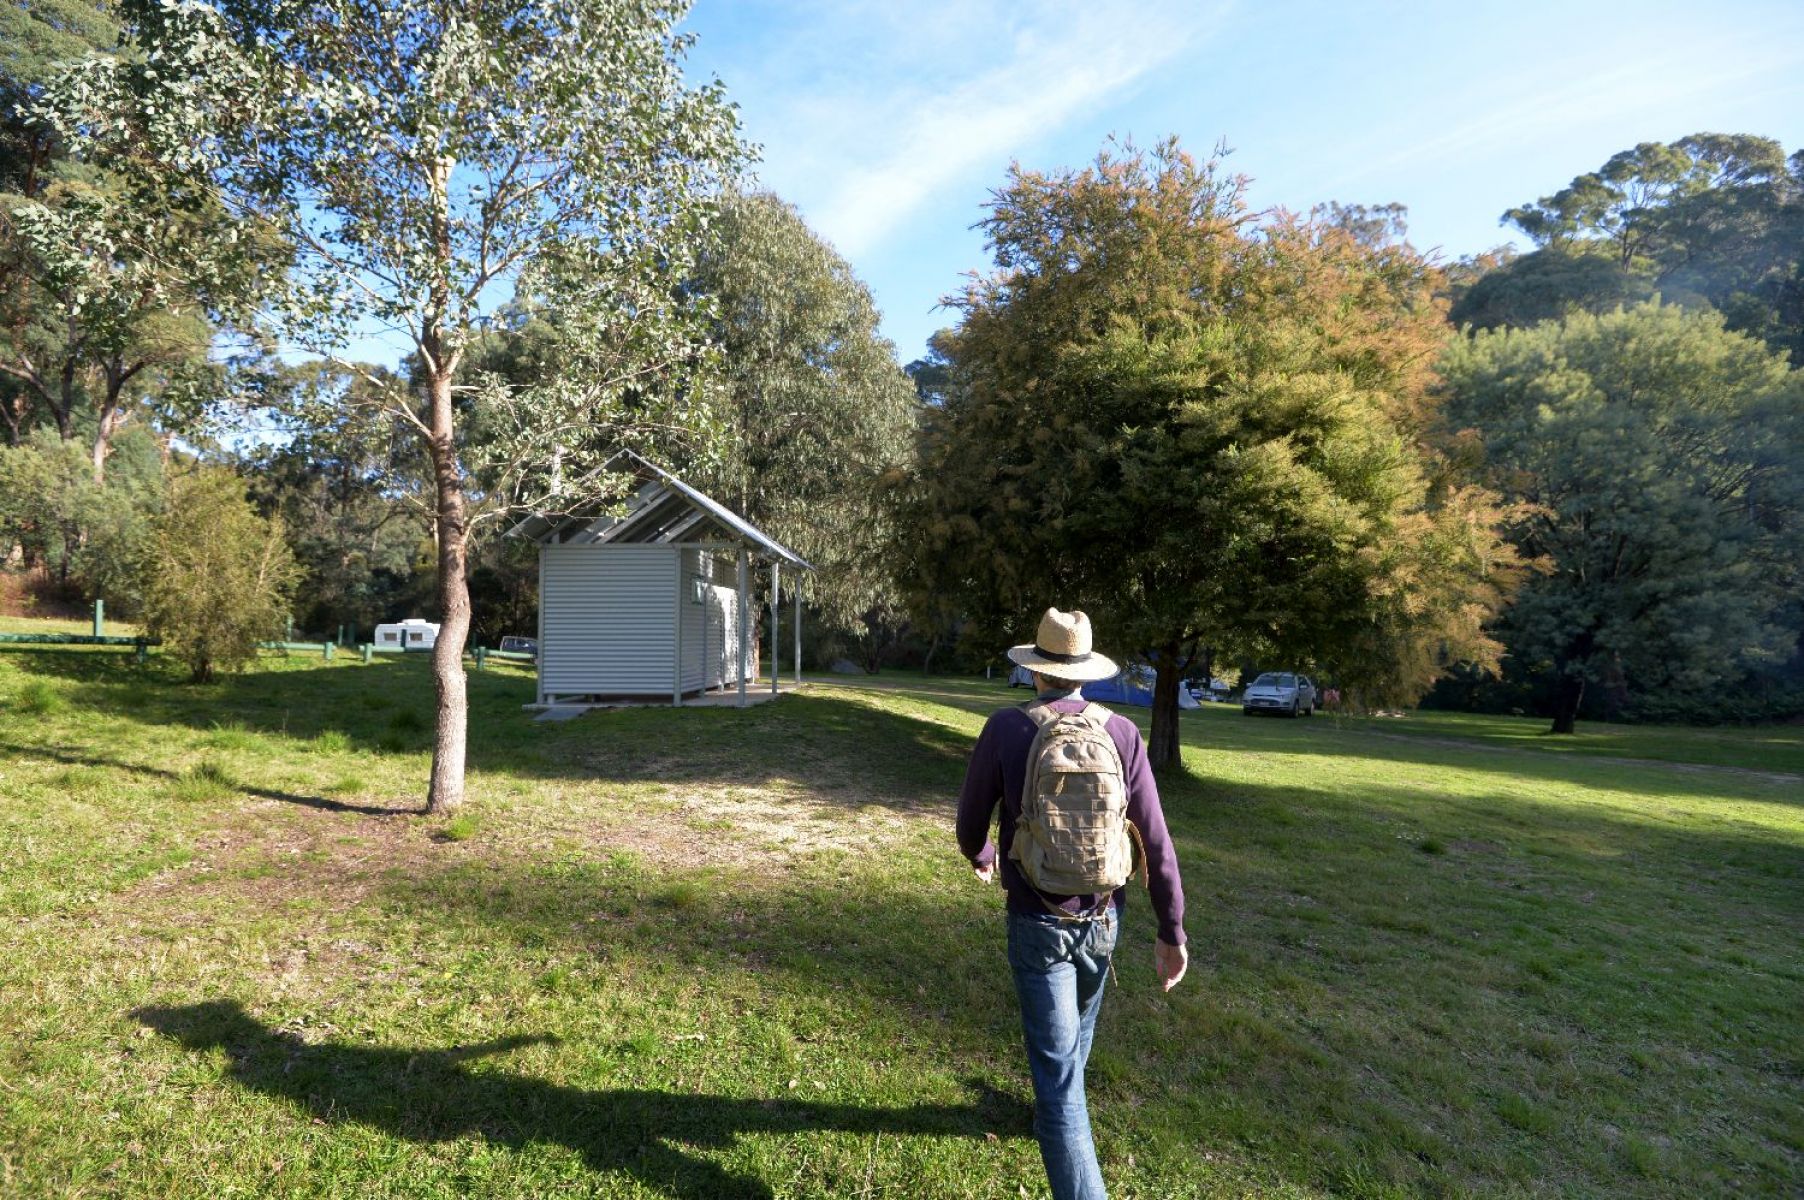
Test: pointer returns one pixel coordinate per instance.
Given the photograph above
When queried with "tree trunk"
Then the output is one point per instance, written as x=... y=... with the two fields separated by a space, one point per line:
x=99 y=453
x=1571 y=691
x=451 y=730
x=64 y=412
x=1162 y=747
x=1566 y=702
x=112 y=416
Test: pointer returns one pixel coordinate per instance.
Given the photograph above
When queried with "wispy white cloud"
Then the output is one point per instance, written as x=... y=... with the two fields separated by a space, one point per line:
x=925 y=96
x=1566 y=95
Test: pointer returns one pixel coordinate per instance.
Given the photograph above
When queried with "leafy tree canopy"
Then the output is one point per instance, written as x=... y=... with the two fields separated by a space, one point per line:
x=1711 y=219
x=1206 y=429
x=1661 y=458
x=817 y=406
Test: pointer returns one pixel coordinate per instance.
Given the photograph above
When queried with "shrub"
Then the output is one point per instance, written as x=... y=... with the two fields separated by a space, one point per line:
x=217 y=577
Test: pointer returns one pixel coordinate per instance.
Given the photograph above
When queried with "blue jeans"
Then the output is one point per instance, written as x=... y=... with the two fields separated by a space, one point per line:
x=1060 y=968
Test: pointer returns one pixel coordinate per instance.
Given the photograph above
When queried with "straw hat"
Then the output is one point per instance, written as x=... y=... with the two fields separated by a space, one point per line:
x=1061 y=650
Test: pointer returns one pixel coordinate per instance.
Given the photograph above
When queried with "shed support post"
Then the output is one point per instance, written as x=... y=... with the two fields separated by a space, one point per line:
x=795 y=598
x=676 y=683
x=538 y=666
x=775 y=668
x=745 y=641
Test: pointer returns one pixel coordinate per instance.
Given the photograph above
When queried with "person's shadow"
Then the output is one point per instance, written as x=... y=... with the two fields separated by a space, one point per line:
x=429 y=1095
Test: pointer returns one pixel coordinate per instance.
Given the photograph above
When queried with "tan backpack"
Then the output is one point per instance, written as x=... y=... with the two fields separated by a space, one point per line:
x=1073 y=836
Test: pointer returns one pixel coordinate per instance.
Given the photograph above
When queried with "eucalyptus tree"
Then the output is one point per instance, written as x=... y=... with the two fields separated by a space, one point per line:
x=354 y=489
x=33 y=39
x=1207 y=430
x=818 y=408
x=104 y=303
x=1661 y=461
x=115 y=311
x=1711 y=220
x=429 y=161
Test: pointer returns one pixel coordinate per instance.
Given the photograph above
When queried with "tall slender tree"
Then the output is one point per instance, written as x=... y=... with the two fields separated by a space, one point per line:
x=818 y=407
x=431 y=160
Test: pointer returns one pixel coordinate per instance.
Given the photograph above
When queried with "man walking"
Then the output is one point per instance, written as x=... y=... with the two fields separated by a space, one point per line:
x=1052 y=758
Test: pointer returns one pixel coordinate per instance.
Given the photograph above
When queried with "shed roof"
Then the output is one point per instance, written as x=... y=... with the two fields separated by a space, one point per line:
x=664 y=510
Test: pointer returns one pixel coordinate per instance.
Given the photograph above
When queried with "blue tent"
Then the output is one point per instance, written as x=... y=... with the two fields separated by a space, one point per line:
x=1132 y=686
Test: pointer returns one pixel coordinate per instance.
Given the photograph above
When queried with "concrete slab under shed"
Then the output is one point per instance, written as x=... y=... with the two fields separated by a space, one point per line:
x=724 y=698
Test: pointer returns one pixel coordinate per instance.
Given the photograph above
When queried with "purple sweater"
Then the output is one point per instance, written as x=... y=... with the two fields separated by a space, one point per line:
x=997 y=771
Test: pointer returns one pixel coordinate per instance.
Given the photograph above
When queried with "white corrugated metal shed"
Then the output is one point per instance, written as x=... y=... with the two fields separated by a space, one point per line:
x=629 y=605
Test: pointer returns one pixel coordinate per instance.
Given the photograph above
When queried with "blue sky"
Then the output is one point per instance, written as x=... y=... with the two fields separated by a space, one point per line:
x=887 y=124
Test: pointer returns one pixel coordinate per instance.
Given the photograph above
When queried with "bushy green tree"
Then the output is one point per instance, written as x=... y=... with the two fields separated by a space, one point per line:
x=817 y=407
x=85 y=536
x=34 y=40
x=216 y=577
x=116 y=279
x=1550 y=284
x=1205 y=431
x=1661 y=459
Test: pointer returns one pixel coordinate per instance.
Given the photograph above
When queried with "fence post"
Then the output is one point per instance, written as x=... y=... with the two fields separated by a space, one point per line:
x=328 y=651
x=142 y=653
x=290 y=635
x=368 y=651
x=99 y=617
x=482 y=656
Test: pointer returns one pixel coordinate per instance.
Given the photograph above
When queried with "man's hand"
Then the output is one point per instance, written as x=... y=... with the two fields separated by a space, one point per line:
x=984 y=874
x=1170 y=962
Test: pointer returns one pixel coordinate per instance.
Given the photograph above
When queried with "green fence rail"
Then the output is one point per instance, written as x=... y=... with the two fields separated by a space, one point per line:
x=142 y=647
x=139 y=645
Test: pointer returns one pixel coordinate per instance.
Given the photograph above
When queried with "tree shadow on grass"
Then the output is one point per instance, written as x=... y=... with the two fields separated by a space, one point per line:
x=387 y=707
x=898 y=761
x=322 y=803
x=426 y=1095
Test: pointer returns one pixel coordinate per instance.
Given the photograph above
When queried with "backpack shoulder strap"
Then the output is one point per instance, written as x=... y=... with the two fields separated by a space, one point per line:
x=1041 y=713
x=1097 y=715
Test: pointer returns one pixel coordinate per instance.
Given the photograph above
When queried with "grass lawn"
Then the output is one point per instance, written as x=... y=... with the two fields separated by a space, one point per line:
x=83 y=626
x=1772 y=748
x=721 y=953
